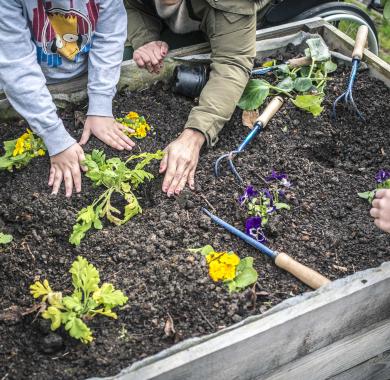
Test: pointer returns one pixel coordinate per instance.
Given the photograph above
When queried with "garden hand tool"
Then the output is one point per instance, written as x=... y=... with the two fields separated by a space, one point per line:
x=307 y=275
x=292 y=63
x=357 y=54
x=258 y=126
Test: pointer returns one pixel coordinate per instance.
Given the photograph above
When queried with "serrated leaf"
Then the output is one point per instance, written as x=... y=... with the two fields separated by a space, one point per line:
x=254 y=94
x=5 y=239
x=39 y=289
x=309 y=103
x=84 y=275
x=302 y=84
x=73 y=303
x=109 y=297
x=204 y=251
x=106 y=312
x=54 y=314
x=78 y=329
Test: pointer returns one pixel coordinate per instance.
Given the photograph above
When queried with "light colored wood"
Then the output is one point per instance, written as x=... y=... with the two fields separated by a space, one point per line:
x=271 y=109
x=307 y=275
x=339 y=356
x=360 y=42
x=299 y=62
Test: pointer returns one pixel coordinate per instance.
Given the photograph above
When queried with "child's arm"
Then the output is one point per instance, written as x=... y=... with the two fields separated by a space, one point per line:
x=381 y=209
x=25 y=86
x=104 y=65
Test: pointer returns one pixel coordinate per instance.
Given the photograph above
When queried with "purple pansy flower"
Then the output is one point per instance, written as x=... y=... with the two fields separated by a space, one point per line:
x=382 y=176
x=254 y=229
x=250 y=192
x=267 y=194
x=282 y=177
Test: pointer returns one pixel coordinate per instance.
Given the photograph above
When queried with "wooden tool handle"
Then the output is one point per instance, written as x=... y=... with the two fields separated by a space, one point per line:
x=298 y=62
x=270 y=110
x=360 y=42
x=306 y=275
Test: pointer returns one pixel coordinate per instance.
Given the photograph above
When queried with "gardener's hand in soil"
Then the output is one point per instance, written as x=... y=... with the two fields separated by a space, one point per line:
x=65 y=166
x=151 y=56
x=381 y=209
x=180 y=161
x=107 y=130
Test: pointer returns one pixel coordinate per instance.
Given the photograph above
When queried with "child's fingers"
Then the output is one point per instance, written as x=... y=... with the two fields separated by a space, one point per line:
x=85 y=136
x=51 y=176
x=57 y=181
x=374 y=212
x=380 y=193
x=76 y=175
x=164 y=163
x=376 y=203
x=68 y=180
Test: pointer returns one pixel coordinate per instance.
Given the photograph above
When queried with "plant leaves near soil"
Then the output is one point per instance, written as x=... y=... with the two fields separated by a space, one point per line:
x=302 y=84
x=5 y=239
x=246 y=275
x=86 y=301
x=136 y=124
x=116 y=176
x=318 y=50
x=310 y=103
x=254 y=94
x=19 y=152
x=382 y=180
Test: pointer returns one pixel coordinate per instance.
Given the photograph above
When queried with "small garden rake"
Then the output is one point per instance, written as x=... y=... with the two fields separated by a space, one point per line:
x=357 y=54
x=258 y=126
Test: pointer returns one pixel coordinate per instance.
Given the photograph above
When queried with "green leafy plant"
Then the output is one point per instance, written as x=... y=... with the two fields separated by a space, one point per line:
x=117 y=177
x=303 y=85
x=86 y=301
x=5 y=239
x=382 y=181
x=235 y=273
x=19 y=152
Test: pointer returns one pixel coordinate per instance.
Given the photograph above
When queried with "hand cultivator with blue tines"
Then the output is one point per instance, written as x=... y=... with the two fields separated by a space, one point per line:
x=292 y=63
x=258 y=126
x=357 y=54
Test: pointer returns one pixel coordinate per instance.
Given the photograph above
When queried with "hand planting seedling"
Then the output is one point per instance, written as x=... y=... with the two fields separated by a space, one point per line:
x=137 y=124
x=115 y=175
x=382 y=180
x=235 y=273
x=5 y=239
x=86 y=301
x=306 y=82
x=262 y=204
x=19 y=152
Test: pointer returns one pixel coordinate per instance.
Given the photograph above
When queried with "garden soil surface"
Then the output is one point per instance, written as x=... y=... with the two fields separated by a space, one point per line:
x=328 y=228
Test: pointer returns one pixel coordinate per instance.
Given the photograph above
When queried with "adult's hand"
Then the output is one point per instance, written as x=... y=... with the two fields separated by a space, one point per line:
x=151 y=55
x=107 y=130
x=65 y=166
x=180 y=161
x=381 y=209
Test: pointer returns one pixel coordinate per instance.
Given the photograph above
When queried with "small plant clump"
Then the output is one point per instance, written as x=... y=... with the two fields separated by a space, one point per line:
x=19 y=152
x=5 y=239
x=137 y=123
x=227 y=267
x=86 y=301
x=382 y=180
x=307 y=83
x=117 y=177
x=262 y=204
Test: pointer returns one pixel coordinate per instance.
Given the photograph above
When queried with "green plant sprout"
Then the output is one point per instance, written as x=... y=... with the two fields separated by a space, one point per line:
x=115 y=175
x=86 y=301
x=235 y=273
x=382 y=181
x=5 y=239
x=306 y=83
x=19 y=152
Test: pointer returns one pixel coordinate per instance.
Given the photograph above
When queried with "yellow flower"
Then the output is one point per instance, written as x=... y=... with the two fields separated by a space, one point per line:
x=132 y=115
x=138 y=123
x=222 y=265
x=41 y=152
x=19 y=147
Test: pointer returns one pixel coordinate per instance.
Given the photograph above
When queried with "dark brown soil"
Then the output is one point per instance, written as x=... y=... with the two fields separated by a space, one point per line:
x=328 y=228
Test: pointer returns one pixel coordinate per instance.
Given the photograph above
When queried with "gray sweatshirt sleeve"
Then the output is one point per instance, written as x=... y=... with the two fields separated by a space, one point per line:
x=106 y=56
x=23 y=82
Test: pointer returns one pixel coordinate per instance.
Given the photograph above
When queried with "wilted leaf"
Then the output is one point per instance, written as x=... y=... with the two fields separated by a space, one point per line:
x=319 y=51
x=310 y=103
x=16 y=313
x=249 y=118
x=169 y=327
x=254 y=94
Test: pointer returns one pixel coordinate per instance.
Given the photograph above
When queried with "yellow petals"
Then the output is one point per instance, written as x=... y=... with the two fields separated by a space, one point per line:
x=41 y=152
x=222 y=265
x=28 y=143
x=137 y=123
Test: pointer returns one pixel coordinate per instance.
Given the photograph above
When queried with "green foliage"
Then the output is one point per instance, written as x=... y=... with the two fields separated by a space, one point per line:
x=369 y=195
x=86 y=301
x=245 y=275
x=5 y=239
x=305 y=83
x=386 y=9
x=117 y=177
x=204 y=251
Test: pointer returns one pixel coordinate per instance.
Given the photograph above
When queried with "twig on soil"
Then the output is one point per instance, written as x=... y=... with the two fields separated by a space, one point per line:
x=4 y=377
x=24 y=246
x=205 y=318
x=208 y=203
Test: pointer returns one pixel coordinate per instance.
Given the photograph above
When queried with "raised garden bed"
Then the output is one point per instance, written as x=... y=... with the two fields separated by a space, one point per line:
x=328 y=228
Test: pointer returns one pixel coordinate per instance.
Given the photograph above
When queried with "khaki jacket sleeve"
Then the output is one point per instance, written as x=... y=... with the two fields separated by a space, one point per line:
x=233 y=45
x=143 y=25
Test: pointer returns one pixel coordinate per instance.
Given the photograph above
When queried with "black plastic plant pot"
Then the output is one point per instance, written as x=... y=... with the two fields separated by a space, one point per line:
x=190 y=80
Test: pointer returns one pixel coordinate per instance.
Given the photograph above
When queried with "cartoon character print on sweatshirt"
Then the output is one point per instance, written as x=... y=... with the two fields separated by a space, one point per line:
x=63 y=32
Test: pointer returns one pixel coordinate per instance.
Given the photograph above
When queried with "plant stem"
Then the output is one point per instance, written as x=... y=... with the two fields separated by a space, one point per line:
x=312 y=68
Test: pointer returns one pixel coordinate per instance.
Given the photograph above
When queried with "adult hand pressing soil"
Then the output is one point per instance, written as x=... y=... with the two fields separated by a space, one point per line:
x=180 y=161
x=151 y=56
x=381 y=210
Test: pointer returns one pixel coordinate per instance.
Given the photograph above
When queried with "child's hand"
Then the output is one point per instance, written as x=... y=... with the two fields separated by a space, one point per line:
x=66 y=166
x=107 y=130
x=151 y=56
x=381 y=209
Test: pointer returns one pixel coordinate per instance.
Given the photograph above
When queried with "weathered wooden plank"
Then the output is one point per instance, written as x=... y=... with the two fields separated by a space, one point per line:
x=377 y=368
x=339 y=356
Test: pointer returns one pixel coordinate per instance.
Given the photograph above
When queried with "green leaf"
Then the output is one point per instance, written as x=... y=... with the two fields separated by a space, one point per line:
x=310 y=103
x=369 y=195
x=284 y=69
x=386 y=10
x=73 y=303
x=245 y=275
x=302 y=84
x=5 y=239
x=78 y=329
x=319 y=51
x=204 y=251
x=254 y=94
x=84 y=275
x=282 y=206
x=109 y=297
x=330 y=67
x=54 y=314
x=286 y=84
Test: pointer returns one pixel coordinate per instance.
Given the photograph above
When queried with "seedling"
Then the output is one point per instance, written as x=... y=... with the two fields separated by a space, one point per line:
x=303 y=85
x=227 y=267
x=19 y=152
x=115 y=175
x=382 y=179
x=86 y=301
x=5 y=239
x=137 y=123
